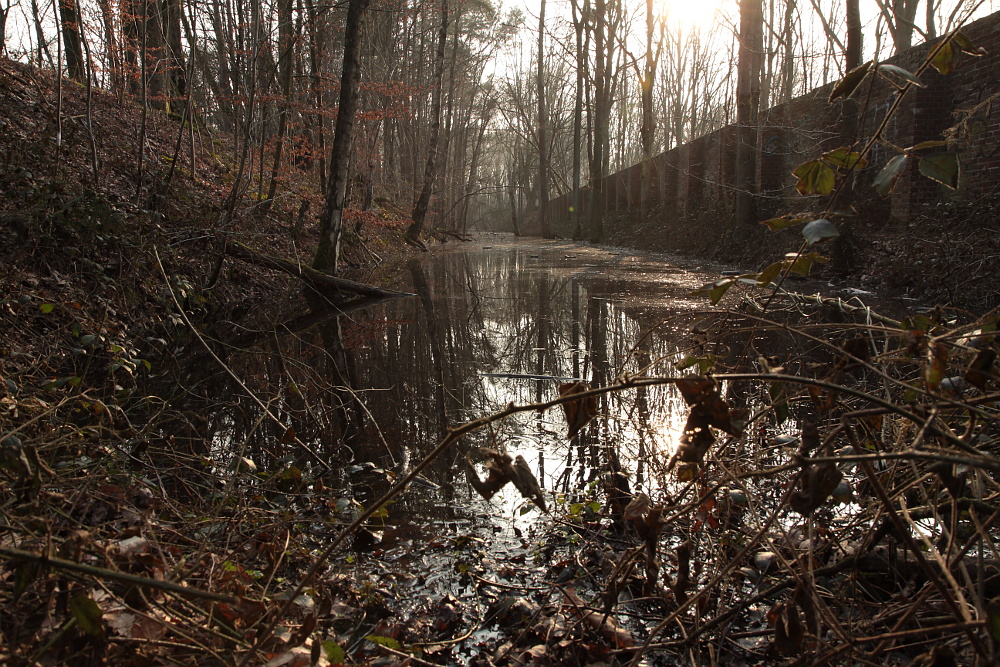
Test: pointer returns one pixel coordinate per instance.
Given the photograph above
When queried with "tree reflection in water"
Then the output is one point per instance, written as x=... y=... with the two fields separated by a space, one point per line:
x=504 y=324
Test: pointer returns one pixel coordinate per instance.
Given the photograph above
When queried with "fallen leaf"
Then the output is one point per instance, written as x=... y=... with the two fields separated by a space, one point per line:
x=578 y=412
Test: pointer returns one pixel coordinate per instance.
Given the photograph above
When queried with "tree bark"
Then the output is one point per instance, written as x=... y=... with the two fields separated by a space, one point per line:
x=69 y=15
x=581 y=69
x=852 y=53
x=601 y=120
x=543 y=121
x=286 y=43
x=322 y=282
x=647 y=130
x=747 y=108
x=430 y=168
x=331 y=222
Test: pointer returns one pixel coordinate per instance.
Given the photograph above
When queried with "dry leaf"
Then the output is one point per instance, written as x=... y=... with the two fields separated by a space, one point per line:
x=578 y=412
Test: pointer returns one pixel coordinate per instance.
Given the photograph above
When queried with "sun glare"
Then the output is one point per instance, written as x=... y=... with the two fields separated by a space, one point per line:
x=700 y=14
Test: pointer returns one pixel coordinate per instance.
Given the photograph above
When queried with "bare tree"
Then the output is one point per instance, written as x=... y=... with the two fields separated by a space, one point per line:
x=430 y=170
x=747 y=107
x=543 y=120
x=331 y=222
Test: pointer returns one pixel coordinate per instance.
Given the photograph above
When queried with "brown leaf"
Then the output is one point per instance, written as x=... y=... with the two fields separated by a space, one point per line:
x=526 y=483
x=696 y=439
x=604 y=624
x=578 y=412
x=981 y=369
x=495 y=480
x=937 y=365
x=702 y=395
x=788 y=629
x=638 y=507
x=817 y=482
x=683 y=581
x=503 y=469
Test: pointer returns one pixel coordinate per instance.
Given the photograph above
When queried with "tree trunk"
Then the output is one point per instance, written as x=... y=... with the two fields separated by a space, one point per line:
x=747 y=108
x=430 y=169
x=286 y=43
x=331 y=222
x=70 y=18
x=581 y=69
x=601 y=121
x=543 y=156
x=788 y=42
x=852 y=54
x=647 y=129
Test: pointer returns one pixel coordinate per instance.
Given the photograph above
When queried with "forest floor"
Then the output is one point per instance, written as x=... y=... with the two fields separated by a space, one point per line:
x=848 y=520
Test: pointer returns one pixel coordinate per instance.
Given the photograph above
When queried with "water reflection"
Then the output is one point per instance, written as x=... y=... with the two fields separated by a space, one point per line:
x=503 y=324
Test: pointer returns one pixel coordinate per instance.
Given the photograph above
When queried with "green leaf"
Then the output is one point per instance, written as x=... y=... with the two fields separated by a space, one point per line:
x=886 y=179
x=845 y=158
x=771 y=272
x=46 y=308
x=26 y=574
x=334 y=652
x=777 y=224
x=705 y=363
x=778 y=401
x=87 y=614
x=388 y=642
x=941 y=167
x=945 y=59
x=803 y=264
x=719 y=290
x=820 y=230
x=88 y=339
x=815 y=178
x=966 y=46
x=901 y=73
x=927 y=144
x=846 y=86
x=716 y=290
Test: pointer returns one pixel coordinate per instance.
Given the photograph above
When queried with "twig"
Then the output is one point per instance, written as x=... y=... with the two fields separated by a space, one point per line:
x=104 y=573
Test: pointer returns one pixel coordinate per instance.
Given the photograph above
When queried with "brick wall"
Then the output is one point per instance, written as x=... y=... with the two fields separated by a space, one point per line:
x=690 y=196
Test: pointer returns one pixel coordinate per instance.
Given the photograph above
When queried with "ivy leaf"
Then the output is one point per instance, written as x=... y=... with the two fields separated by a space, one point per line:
x=945 y=59
x=716 y=290
x=704 y=363
x=334 y=653
x=87 y=614
x=966 y=46
x=937 y=143
x=941 y=167
x=820 y=230
x=815 y=178
x=770 y=273
x=904 y=74
x=46 y=308
x=886 y=179
x=803 y=264
x=777 y=224
x=388 y=642
x=845 y=158
x=846 y=86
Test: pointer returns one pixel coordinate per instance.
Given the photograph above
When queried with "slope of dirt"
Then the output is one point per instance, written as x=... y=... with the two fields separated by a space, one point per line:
x=92 y=350
x=84 y=240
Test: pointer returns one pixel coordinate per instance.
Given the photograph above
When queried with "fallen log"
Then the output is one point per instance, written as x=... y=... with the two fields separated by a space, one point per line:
x=321 y=282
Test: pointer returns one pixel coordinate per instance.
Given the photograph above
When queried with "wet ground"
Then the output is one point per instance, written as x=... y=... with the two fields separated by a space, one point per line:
x=494 y=322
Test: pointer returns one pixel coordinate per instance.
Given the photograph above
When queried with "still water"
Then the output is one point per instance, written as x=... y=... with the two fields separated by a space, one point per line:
x=501 y=321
